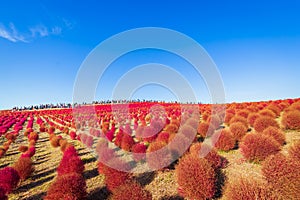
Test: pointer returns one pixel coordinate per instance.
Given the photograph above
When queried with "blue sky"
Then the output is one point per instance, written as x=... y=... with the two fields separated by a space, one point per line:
x=255 y=45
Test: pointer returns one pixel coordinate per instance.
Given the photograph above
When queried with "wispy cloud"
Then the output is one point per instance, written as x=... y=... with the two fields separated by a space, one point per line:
x=40 y=30
x=12 y=34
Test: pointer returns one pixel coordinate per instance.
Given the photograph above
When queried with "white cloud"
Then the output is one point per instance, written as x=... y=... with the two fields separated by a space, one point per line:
x=13 y=35
x=39 y=30
x=56 y=30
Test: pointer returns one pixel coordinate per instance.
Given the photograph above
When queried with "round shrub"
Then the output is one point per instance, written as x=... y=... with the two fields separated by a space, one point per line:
x=70 y=151
x=239 y=119
x=264 y=122
x=243 y=113
x=214 y=120
x=9 y=179
x=200 y=149
x=33 y=136
x=23 y=148
x=228 y=117
x=114 y=178
x=291 y=120
x=171 y=128
x=252 y=117
x=178 y=144
x=268 y=113
x=24 y=167
x=2 y=152
x=274 y=108
x=54 y=141
x=68 y=186
x=204 y=130
x=2 y=194
x=158 y=155
x=248 y=188
x=294 y=151
x=163 y=137
x=127 y=142
x=139 y=150
x=223 y=140
x=131 y=190
x=256 y=147
x=238 y=130
x=276 y=133
x=195 y=177
x=70 y=164
x=283 y=174
x=188 y=131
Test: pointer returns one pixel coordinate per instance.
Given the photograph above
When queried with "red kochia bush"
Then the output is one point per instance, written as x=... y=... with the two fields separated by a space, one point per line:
x=264 y=122
x=9 y=179
x=131 y=190
x=163 y=137
x=223 y=140
x=68 y=186
x=70 y=164
x=127 y=142
x=24 y=167
x=248 y=188
x=195 y=177
x=283 y=174
x=2 y=194
x=114 y=178
x=291 y=120
x=140 y=150
x=256 y=147
x=276 y=133
x=238 y=130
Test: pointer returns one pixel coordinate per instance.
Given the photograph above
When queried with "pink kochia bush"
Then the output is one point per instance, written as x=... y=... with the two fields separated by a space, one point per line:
x=9 y=179
x=196 y=177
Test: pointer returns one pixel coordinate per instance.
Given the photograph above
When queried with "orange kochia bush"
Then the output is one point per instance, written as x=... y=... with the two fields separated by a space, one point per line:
x=196 y=177
x=223 y=140
x=131 y=190
x=264 y=122
x=283 y=175
x=248 y=188
x=256 y=147
x=291 y=120
x=238 y=130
